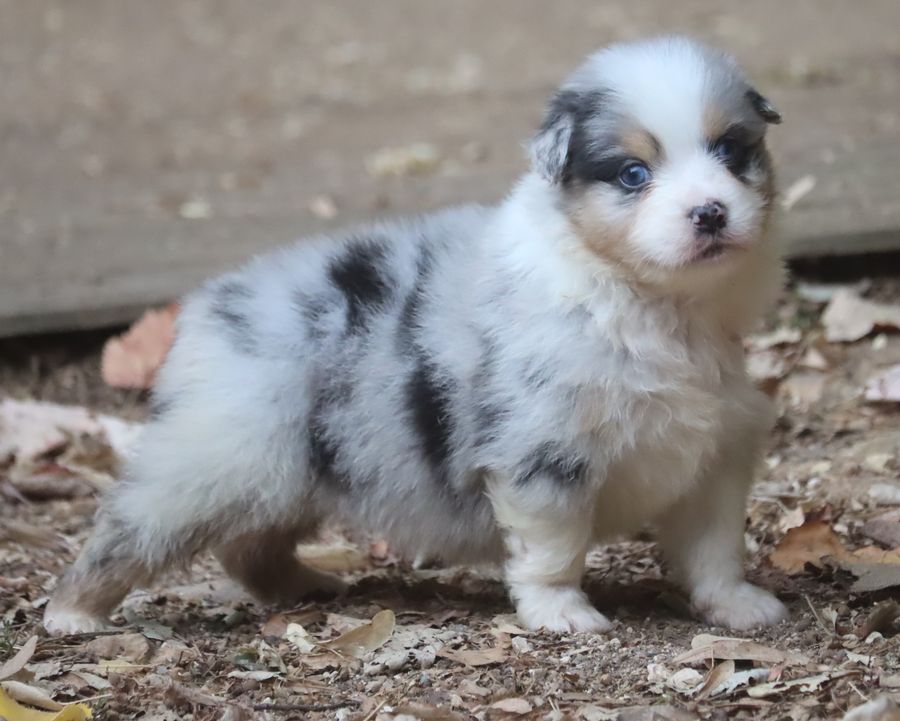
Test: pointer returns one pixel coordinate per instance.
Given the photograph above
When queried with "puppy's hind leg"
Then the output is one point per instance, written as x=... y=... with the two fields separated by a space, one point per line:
x=265 y=562
x=119 y=556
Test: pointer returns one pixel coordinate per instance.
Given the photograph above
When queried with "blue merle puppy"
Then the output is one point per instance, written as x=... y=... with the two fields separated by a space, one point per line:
x=512 y=384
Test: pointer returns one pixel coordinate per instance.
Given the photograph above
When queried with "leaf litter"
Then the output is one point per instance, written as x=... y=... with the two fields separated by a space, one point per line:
x=443 y=643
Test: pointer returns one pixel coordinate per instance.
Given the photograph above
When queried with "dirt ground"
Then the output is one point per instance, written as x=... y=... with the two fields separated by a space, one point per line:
x=195 y=647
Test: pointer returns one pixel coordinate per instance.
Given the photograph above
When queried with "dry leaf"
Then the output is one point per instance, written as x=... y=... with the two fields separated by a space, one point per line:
x=11 y=710
x=299 y=638
x=848 y=317
x=361 y=640
x=705 y=647
x=809 y=543
x=29 y=535
x=255 y=675
x=880 y=619
x=512 y=705
x=479 y=656
x=17 y=662
x=717 y=676
x=803 y=389
x=129 y=646
x=778 y=337
x=807 y=684
x=884 y=387
x=132 y=359
x=30 y=429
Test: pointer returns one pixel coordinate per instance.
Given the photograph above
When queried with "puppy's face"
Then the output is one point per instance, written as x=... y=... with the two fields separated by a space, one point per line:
x=658 y=152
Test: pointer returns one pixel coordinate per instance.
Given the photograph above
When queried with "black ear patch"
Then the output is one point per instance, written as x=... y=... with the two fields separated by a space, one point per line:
x=561 y=140
x=766 y=110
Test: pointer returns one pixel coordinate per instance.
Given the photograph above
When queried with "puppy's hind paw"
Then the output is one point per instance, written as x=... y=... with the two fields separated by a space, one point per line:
x=61 y=621
x=559 y=609
x=741 y=607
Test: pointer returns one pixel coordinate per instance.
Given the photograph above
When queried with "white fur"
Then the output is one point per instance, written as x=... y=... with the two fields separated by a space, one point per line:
x=621 y=393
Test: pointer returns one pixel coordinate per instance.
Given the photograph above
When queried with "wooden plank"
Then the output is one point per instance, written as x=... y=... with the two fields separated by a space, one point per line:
x=118 y=119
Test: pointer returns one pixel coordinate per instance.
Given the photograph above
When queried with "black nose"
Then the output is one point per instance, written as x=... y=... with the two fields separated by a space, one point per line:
x=710 y=217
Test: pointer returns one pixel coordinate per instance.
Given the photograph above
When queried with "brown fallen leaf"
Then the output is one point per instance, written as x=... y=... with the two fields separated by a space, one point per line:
x=848 y=317
x=361 y=640
x=14 y=665
x=132 y=359
x=705 y=647
x=806 y=684
x=803 y=389
x=277 y=624
x=815 y=542
x=129 y=646
x=480 y=656
x=808 y=543
x=718 y=675
x=30 y=535
x=880 y=619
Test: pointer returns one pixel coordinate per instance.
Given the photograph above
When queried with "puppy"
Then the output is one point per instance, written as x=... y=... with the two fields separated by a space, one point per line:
x=511 y=383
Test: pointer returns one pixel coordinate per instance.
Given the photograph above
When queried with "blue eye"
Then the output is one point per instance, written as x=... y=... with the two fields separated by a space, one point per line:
x=726 y=149
x=634 y=176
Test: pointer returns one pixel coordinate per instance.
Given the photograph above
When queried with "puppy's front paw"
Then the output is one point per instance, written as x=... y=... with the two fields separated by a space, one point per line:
x=61 y=621
x=741 y=607
x=559 y=609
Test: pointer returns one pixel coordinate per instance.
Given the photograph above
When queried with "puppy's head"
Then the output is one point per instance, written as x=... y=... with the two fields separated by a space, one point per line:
x=657 y=152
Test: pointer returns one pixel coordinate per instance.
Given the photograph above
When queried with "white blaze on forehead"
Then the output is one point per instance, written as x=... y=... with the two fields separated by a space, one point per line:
x=663 y=84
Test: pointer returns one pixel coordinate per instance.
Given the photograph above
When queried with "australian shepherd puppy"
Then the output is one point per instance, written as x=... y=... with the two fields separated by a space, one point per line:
x=511 y=384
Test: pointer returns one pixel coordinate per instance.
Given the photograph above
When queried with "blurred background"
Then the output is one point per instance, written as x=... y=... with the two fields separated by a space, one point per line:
x=147 y=145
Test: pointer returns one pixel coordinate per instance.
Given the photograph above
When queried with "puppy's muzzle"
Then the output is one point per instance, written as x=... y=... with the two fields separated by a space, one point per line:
x=709 y=218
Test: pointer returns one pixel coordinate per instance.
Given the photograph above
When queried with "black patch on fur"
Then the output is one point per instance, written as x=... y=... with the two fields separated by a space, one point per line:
x=323 y=451
x=763 y=107
x=313 y=310
x=229 y=299
x=159 y=406
x=429 y=404
x=408 y=321
x=570 y=109
x=360 y=275
x=551 y=460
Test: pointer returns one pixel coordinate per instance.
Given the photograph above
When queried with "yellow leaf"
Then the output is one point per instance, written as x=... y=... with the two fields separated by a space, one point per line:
x=12 y=711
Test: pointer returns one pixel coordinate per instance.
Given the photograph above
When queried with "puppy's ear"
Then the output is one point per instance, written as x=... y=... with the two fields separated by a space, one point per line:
x=550 y=147
x=763 y=107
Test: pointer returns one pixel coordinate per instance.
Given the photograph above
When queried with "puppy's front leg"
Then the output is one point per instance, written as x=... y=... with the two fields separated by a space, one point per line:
x=703 y=540
x=546 y=546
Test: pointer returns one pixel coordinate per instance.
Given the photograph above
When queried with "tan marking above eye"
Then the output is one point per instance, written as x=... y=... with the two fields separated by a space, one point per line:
x=638 y=143
x=715 y=121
